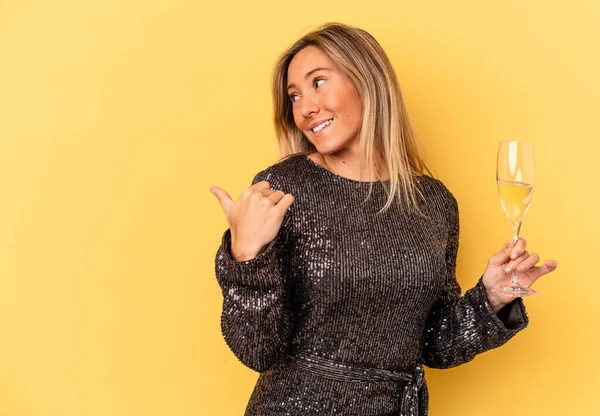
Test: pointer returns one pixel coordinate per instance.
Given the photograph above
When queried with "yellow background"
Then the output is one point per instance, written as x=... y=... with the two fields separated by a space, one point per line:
x=117 y=116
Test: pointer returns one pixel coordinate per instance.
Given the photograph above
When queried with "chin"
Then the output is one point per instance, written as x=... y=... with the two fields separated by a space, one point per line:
x=326 y=149
x=331 y=146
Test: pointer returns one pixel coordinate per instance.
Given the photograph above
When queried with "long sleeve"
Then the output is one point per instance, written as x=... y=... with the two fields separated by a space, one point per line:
x=256 y=320
x=458 y=328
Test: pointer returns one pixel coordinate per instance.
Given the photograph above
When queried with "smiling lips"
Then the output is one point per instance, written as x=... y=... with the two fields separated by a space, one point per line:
x=321 y=126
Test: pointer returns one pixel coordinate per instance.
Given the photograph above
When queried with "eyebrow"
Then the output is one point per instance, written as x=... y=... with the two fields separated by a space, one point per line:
x=308 y=74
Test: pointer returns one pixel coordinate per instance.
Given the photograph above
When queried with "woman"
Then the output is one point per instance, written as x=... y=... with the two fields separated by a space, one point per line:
x=338 y=269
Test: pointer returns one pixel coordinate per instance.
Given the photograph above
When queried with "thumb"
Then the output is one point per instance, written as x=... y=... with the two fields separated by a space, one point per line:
x=224 y=199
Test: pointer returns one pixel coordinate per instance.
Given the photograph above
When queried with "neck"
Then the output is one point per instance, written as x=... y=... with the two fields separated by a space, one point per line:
x=349 y=166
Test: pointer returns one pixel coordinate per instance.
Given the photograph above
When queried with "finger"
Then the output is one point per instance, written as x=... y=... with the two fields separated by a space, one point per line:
x=259 y=186
x=503 y=255
x=224 y=199
x=537 y=272
x=518 y=248
x=273 y=195
x=276 y=196
x=286 y=201
x=267 y=192
x=526 y=261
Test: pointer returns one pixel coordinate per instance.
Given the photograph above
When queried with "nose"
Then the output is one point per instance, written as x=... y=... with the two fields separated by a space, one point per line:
x=309 y=107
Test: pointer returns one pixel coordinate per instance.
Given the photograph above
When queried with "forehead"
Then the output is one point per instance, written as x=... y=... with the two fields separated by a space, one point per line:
x=307 y=59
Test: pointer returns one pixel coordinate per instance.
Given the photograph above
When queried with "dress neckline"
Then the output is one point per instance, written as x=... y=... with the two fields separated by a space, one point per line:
x=336 y=176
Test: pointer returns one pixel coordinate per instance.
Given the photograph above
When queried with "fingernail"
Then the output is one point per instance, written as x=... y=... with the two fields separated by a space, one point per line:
x=212 y=191
x=513 y=256
x=507 y=269
x=521 y=268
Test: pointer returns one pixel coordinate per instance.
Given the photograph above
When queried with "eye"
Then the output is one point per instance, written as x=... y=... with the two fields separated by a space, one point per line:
x=319 y=79
x=292 y=97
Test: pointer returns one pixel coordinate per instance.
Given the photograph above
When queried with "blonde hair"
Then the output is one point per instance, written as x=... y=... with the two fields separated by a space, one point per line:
x=386 y=130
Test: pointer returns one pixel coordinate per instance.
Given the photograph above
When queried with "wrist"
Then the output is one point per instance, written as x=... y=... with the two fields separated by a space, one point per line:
x=495 y=303
x=245 y=252
x=243 y=255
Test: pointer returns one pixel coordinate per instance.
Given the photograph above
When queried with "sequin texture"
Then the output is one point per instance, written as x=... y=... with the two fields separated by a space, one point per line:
x=340 y=313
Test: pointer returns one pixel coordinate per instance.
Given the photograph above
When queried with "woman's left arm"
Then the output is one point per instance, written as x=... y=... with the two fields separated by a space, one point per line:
x=458 y=328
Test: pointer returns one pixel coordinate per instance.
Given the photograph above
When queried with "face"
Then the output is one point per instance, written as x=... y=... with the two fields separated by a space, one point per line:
x=326 y=106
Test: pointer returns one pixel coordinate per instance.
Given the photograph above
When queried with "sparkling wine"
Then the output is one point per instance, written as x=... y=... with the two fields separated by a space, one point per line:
x=515 y=180
x=515 y=198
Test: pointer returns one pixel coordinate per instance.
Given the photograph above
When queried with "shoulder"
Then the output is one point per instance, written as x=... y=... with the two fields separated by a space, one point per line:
x=436 y=186
x=439 y=194
x=282 y=174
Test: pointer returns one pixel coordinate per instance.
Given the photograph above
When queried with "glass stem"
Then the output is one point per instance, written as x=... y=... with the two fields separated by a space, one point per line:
x=515 y=229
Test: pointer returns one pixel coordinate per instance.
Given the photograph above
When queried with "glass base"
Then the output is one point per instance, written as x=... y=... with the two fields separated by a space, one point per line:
x=515 y=291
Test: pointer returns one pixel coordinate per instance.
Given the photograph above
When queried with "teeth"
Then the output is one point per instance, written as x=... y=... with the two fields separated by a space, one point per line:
x=322 y=126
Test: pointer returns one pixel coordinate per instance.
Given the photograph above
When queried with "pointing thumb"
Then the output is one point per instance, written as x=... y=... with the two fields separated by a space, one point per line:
x=224 y=199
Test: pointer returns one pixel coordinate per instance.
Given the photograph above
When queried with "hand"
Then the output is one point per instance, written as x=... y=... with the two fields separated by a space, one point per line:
x=254 y=219
x=501 y=264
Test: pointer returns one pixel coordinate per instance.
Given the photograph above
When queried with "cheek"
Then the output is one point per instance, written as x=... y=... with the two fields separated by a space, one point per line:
x=356 y=109
x=333 y=102
x=352 y=110
x=297 y=117
x=346 y=105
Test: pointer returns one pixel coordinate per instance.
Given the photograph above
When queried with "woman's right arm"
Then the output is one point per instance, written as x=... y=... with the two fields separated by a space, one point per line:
x=256 y=320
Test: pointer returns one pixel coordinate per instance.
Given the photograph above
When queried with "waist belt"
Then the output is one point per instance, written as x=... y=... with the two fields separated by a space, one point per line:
x=415 y=396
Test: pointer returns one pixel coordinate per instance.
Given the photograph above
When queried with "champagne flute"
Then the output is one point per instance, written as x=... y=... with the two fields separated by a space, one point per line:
x=514 y=177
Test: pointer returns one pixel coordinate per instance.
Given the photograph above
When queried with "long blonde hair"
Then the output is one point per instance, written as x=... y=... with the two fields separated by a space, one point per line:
x=386 y=130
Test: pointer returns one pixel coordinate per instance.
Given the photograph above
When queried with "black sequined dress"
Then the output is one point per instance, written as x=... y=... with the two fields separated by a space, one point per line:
x=340 y=313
